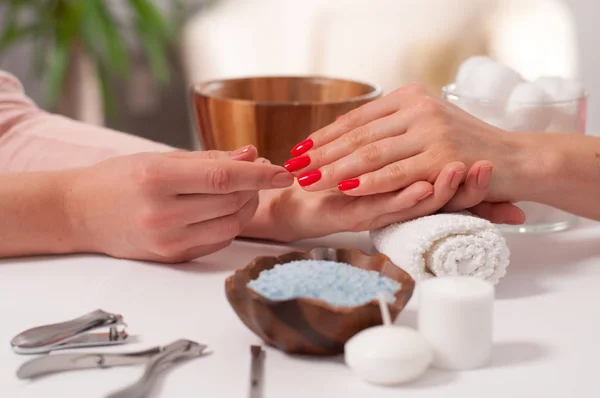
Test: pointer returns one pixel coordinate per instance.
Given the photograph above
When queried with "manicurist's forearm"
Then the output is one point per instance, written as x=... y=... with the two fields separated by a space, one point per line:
x=33 y=214
x=565 y=172
x=34 y=140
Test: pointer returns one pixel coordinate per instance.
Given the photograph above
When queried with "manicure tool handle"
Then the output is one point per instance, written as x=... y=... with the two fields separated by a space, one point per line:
x=46 y=338
x=256 y=371
x=180 y=349
x=49 y=364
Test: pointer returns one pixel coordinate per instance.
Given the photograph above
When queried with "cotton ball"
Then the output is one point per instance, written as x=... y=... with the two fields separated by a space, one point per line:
x=465 y=70
x=560 y=89
x=528 y=108
x=490 y=81
x=483 y=87
x=492 y=113
x=564 y=92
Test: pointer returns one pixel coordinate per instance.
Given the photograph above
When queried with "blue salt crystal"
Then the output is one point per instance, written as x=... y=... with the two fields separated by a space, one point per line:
x=338 y=284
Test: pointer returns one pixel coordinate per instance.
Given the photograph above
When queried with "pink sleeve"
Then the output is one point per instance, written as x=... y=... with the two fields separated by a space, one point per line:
x=34 y=140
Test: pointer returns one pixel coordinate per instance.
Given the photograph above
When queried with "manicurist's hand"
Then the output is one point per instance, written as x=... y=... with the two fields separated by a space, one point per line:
x=407 y=136
x=168 y=207
x=293 y=213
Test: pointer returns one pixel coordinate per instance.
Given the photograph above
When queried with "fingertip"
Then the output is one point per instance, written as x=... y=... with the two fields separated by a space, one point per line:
x=456 y=175
x=482 y=163
x=245 y=153
x=297 y=164
x=480 y=175
x=306 y=180
x=421 y=189
x=456 y=166
x=302 y=147
x=515 y=215
x=282 y=179
x=449 y=172
x=484 y=177
x=263 y=161
x=348 y=185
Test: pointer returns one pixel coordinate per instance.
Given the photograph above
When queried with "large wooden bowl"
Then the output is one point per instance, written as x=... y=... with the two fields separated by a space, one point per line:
x=273 y=113
x=308 y=326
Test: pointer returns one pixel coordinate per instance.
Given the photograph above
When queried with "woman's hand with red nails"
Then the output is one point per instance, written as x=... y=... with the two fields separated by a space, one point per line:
x=297 y=214
x=407 y=136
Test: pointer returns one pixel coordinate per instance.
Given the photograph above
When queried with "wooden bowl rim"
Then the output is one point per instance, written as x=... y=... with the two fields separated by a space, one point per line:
x=405 y=288
x=376 y=91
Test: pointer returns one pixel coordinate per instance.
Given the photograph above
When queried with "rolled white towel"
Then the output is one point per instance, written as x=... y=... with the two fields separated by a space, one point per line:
x=445 y=244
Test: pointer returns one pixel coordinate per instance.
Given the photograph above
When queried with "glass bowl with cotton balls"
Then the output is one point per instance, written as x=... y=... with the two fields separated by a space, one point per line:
x=498 y=95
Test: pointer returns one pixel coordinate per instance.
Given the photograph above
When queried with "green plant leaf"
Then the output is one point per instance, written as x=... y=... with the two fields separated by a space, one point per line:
x=66 y=33
x=57 y=68
x=99 y=26
x=152 y=17
x=155 y=52
x=154 y=35
x=42 y=38
x=60 y=26
x=108 y=96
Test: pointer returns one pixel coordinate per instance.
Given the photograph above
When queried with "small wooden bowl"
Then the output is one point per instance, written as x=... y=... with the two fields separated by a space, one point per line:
x=308 y=326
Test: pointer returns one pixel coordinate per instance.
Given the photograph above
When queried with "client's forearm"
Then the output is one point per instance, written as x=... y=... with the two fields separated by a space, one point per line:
x=567 y=172
x=33 y=218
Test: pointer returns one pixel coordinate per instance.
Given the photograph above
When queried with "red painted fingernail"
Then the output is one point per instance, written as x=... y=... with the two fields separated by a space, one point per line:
x=302 y=147
x=309 y=178
x=347 y=185
x=296 y=164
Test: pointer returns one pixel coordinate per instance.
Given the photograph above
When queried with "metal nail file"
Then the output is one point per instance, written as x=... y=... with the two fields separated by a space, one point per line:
x=72 y=334
x=257 y=366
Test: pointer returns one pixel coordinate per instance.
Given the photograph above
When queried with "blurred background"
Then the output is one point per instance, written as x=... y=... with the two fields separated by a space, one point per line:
x=129 y=64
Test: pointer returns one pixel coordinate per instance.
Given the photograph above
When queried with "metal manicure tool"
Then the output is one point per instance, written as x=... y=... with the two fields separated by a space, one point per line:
x=256 y=371
x=75 y=334
x=72 y=334
x=157 y=360
x=168 y=356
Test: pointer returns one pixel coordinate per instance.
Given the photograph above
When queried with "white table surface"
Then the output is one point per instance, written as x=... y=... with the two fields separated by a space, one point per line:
x=547 y=324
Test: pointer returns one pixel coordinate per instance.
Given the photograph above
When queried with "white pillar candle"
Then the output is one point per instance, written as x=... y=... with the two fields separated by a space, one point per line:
x=455 y=317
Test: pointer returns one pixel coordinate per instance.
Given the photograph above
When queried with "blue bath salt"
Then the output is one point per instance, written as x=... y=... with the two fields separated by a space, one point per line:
x=338 y=284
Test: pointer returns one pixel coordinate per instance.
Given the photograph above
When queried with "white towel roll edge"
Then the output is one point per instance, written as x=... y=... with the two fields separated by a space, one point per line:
x=447 y=244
